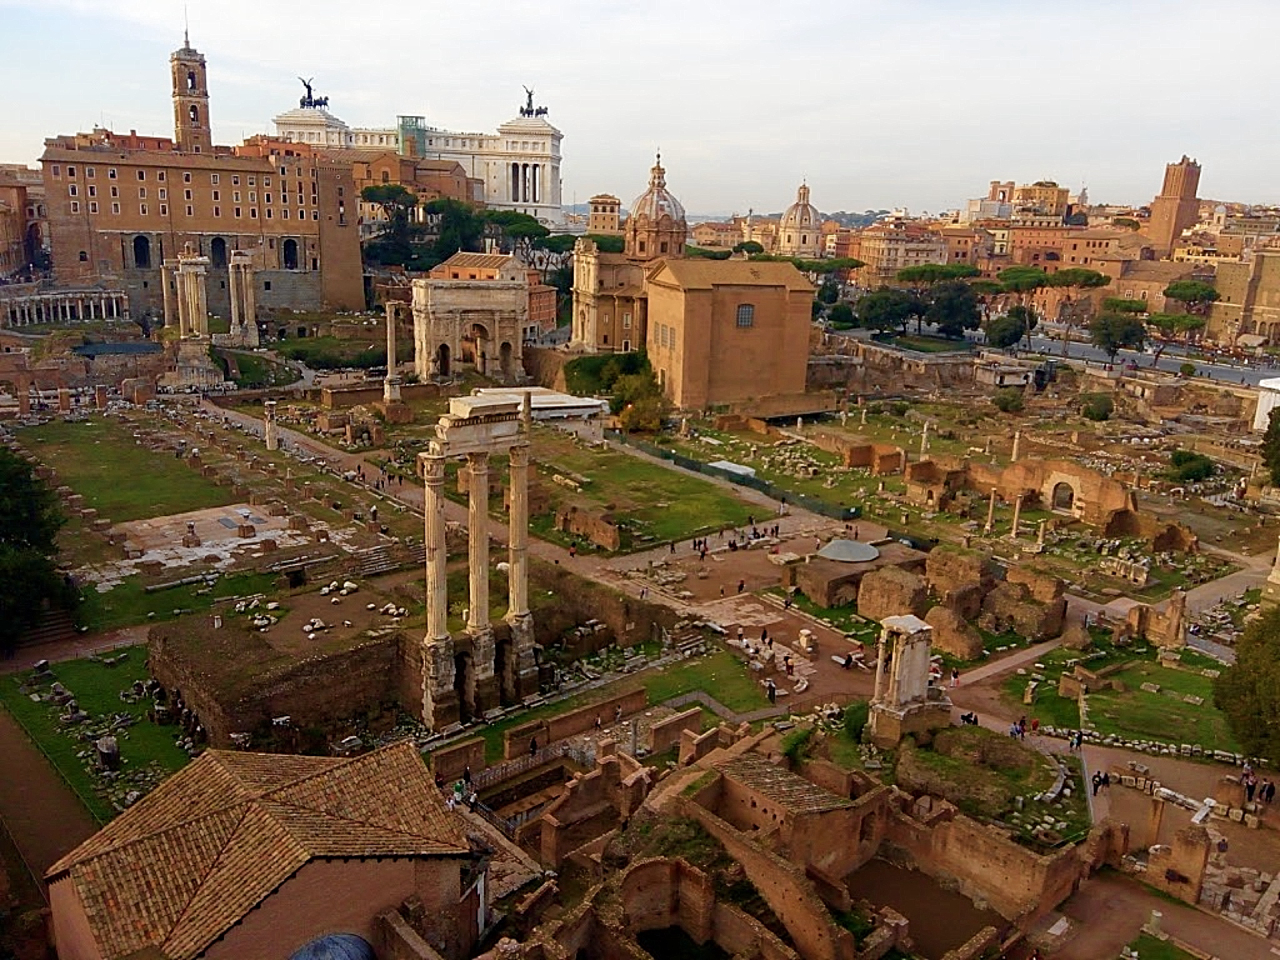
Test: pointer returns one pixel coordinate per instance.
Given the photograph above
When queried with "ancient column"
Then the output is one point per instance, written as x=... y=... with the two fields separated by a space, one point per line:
x=478 y=541
x=924 y=439
x=876 y=696
x=1017 y=516
x=518 y=535
x=269 y=425
x=991 y=513
x=1017 y=446
x=235 y=296
x=165 y=275
x=391 y=385
x=201 y=292
x=248 y=290
x=1040 y=534
x=437 y=584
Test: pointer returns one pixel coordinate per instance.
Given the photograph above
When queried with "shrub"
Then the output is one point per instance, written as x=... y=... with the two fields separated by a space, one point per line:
x=796 y=742
x=1098 y=407
x=855 y=719
x=1189 y=467
x=1008 y=400
x=1187 y=369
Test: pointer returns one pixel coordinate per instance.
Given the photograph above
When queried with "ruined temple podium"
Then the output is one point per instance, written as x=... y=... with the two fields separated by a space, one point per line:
x=905 y=702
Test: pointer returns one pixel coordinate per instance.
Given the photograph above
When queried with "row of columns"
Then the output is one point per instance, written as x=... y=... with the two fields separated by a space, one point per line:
x=526 y=182
x=241 y=286
x=191 y=296
x=64 y=307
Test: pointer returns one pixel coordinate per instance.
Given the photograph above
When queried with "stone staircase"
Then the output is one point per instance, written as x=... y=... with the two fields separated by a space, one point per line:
x=377 y=560
x=53 y=626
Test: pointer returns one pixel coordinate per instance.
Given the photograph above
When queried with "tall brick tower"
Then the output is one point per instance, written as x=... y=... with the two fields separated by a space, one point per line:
x=1176 y=207
x=190 y=100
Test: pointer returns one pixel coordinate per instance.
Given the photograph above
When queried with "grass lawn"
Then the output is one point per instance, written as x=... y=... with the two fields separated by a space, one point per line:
x=256 y=370
x=118 y=477
x=129 y=603
x=930 y=344
x=1148 y=947
x=654 y=502
x=147 y=751
x=1162 y=716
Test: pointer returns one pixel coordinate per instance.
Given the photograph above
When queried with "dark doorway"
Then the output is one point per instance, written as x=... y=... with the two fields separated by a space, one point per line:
x=218 y=252
x=1064 y=497
x=141 y=253
x=442 y=358
x=291 y=254
x=505 y=360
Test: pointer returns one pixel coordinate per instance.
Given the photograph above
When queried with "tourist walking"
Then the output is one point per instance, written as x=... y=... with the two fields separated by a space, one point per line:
x=955 y=677
x=771 y=690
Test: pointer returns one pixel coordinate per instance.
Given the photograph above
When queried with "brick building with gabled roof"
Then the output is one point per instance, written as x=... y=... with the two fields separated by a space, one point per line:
x=257 y=855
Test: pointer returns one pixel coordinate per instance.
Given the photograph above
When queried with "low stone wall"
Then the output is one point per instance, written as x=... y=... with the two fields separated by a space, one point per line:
x=665 y=734
x=449 y=763
x=516 y=741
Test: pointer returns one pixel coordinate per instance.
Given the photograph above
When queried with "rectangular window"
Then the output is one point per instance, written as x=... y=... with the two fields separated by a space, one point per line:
x=186 y=176
x=115 y=208
x=190 y=211
x=93 y=206
x=71 y=171
x=746 y=315
x=142 y=209
x=75 y=206
x=160 y=176
x=142 y=193
x=216 y=195
x=213 y=178
x=266 y=181
x=235 y=196
x=57 y=171
x=268 y=213
x=93 y=189
x=626 y=321
x=111 y=173
x=217 y=211
x=142 y=174
x=253 y=196
x=164 y=209
x=253 y=181
x=235 y=180
x=237 y=213
x=90 y=172
x=72 y=190
x=186 y=194
x=282 y=171
x=315 y=214
x=253 y=213
x=284 y=214
x=266 y=197
x=164 y=194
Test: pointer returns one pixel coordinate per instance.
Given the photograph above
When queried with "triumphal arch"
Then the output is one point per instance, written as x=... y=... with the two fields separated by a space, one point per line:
x=480 y=669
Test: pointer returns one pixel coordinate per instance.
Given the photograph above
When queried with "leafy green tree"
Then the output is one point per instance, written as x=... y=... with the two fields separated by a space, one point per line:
x=953 y=308
x=1113 y=332
x=638 y=401
x=1194 y=295
x=1248 y=692
x=460 y=228
x=29 y=523
x=841 y=316
x=1127 y=223
x=1271 y=446
x=887 y=309
x=608 y=242
x=392 y=246
x=923 y=278
x=558 y=243
x=1023 y=280
x=1005 y=330
x=1188 y=369
x=1121 y=305
x=748 y=247
x=829 y=290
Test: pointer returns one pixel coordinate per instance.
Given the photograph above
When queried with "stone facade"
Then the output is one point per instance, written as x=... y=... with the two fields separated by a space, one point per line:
x=482 y=322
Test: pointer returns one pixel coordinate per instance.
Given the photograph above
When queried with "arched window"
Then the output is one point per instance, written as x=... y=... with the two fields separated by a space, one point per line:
x=195 y=115
x=386 y=176
x=291 y=254
x=746 y=315
x=141 y=252
x=84 y=256
x=218 y=252
x=191 y=79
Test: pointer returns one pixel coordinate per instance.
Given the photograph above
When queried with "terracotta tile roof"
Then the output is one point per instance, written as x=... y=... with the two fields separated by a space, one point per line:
x=180 y=867
x=790 y=791
x=700 y=273
x=490 y=261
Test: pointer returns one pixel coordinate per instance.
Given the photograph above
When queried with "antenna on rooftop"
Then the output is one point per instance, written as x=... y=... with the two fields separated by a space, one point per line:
x=186 y=27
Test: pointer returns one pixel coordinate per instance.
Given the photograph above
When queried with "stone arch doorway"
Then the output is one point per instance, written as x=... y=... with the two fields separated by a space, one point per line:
x=218 y=252
x=478 y=343
x=506 y=360
x=443 y=360
x=1063 y=498
x=142 y=252
x=290 y=253
x=464 y=685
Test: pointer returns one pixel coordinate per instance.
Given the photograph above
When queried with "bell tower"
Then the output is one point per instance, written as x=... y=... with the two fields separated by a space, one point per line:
x=190 y=100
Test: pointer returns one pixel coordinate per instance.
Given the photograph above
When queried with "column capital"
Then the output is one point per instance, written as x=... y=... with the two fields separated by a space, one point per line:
x=432 y=467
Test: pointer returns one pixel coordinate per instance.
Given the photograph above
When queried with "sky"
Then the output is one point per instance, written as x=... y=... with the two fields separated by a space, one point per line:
x=874 y=103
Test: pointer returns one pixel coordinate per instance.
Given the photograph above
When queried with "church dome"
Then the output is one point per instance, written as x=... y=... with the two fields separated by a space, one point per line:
x=800 y=229
x=657 y=201
x=337 y=946
x=802 y=213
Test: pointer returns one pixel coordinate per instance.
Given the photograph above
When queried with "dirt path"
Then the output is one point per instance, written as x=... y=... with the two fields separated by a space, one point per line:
x=1109 y=910
x=44 y=817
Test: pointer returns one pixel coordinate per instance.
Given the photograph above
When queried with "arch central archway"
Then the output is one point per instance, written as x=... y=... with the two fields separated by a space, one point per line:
x=1064 y=497
x=443 y=360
